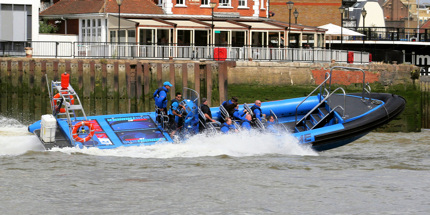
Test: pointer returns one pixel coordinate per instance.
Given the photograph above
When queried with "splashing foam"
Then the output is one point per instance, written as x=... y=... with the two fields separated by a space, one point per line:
x=15 y=138
x=237 y=145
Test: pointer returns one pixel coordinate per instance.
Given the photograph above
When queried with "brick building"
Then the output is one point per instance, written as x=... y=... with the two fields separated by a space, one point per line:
x=181 y=22
x=311 y=12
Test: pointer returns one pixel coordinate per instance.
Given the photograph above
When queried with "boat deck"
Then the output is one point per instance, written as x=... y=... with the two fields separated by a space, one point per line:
x=355 y=106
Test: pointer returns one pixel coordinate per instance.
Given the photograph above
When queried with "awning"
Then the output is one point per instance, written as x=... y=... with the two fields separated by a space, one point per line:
x=125 y=23
x=335 y=30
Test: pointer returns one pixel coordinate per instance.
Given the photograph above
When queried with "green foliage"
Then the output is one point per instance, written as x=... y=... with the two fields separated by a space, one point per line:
x=46 y=28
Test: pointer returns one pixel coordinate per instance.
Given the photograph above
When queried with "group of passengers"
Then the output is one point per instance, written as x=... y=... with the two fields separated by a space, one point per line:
x=177 y=113
x=242 y=118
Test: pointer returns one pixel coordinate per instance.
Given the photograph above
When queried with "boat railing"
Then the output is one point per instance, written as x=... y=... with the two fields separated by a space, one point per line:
x=329 y=115
x=277 y=120
x=257 y=121
x=352 y=69
x=325 y=99
x=161 y=119
x=71 y=101
x=368 y=90
x=323 y=92
x=310 y=94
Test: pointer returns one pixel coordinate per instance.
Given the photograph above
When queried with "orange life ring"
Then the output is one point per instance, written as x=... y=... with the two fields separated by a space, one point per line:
x=76 y=128
x=63 y=110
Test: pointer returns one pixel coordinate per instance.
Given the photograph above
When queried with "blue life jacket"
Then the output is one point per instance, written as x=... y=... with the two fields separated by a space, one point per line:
x=246 y=124
x=253 y=108
x=157 y=94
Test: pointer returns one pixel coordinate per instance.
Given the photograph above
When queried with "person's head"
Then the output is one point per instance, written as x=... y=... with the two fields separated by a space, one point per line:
x=178 y=96
x=167 y=85
x=248 y=117
x=228 y=121
x=204 y=101
x=234 y=99
x=271 y=118
x=258 y=103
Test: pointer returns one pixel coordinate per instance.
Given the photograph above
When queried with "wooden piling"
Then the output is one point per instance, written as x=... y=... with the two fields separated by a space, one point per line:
x=146 y=87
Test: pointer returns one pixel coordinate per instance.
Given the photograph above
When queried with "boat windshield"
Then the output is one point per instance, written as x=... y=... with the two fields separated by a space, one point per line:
x=190 y=94
x=191 y=104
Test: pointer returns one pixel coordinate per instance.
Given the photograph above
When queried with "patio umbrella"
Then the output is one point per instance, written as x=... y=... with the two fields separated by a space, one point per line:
x=335 y=30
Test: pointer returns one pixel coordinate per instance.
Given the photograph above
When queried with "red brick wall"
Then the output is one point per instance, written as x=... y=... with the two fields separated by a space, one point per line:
x=311 y=12
x=346 y=77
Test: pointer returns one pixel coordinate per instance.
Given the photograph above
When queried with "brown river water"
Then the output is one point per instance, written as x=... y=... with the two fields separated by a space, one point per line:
x=252 y=173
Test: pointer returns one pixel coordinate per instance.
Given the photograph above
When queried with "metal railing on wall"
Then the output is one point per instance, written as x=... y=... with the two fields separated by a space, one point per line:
x=153 y=51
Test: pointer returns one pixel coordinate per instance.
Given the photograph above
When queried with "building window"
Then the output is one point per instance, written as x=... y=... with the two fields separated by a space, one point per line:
x=242 y=3
x=160 y=2
x=91 y=30
x=224 y=3
x=180 y=2
x=205 y=2
x=262 y=4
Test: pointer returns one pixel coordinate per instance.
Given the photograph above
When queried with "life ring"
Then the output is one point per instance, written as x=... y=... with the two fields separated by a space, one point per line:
x=63 y=110
x=76 y=128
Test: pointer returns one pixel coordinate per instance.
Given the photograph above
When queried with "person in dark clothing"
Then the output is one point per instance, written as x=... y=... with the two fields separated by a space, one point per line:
x=233 y=100
x=229 y=106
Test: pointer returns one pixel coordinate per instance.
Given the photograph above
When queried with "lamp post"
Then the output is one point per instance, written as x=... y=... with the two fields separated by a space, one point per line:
x=119 y=2
x=290 y=5
x=213 y=5
x=363 y=13
x=341 y=10
x=296 y=14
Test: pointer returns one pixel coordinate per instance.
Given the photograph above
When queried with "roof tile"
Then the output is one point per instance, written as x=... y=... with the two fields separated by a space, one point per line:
x=102 y=6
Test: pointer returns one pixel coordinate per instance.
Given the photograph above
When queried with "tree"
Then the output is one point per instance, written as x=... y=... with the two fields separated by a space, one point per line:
x=46 y=28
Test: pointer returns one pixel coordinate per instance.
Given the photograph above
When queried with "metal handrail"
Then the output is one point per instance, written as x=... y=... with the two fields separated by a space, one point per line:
x=297 y=107
x=350 y=68
x=325 y=99
x=328 y=115
x=277 y=120
x=369 y=91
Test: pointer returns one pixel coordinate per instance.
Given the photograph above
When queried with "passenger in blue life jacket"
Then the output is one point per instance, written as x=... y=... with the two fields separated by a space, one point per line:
x=237 y=115
x=271 y=124
x=228 y=127
x=176 y=113
x=160 y=97
x=256 y=109
x=246 y=122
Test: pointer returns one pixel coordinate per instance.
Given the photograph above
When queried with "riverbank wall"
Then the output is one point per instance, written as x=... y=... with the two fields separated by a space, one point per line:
x=111 y=86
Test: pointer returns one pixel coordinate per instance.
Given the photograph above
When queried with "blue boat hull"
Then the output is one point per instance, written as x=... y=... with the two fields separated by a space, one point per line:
x=135 y=129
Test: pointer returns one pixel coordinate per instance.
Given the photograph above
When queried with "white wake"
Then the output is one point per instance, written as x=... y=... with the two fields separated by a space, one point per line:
x=15 y=140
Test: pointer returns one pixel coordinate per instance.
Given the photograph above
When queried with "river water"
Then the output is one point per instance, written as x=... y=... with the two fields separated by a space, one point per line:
x=381 y=173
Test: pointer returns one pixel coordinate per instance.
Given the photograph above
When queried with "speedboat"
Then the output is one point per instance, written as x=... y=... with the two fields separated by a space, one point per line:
x=325 y=119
